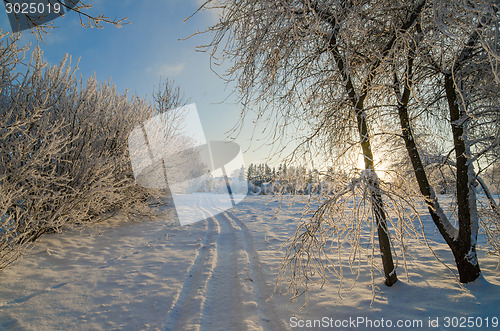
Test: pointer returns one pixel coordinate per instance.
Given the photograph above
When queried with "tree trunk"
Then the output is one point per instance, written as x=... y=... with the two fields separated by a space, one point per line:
x=465 y=245
x=461 y=243
x=376 y=196
x=377 y=202
x=447 y=231
x=463 y=251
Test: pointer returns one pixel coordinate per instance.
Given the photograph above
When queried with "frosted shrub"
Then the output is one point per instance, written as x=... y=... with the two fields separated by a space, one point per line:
x=63 y=150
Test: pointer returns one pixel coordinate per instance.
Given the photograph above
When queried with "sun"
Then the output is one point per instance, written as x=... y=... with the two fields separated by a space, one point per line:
x=382 y=166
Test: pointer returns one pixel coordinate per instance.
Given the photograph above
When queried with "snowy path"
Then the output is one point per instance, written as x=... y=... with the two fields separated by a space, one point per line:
x=225 y=280
x=217 y=275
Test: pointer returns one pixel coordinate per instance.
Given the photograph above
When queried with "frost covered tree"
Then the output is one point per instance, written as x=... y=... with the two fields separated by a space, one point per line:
x=316 y=62
x=449 y=61
x=64 y=158
x=339 y=73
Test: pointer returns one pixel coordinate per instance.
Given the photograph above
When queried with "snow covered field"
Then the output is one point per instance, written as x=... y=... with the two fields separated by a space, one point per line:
x=218 y=275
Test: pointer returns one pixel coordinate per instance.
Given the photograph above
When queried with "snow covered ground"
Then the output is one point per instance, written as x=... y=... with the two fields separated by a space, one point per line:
x=219 y=274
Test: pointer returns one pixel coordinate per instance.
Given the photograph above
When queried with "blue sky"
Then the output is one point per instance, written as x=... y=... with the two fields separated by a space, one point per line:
x=142 y=54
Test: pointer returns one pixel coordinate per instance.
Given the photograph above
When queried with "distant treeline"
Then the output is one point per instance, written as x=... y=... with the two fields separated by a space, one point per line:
x=288 y=179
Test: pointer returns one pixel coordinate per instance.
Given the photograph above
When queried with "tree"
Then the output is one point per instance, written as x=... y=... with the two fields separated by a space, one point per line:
x=455 y=70
x=303 y=60
x=337 y=66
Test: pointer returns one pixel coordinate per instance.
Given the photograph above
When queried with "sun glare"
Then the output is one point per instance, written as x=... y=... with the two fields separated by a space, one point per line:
x=381 y=166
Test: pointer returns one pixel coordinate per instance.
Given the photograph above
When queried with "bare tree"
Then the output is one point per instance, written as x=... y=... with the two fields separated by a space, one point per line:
x=450 y=50
x=329 y=69
x=316 y=62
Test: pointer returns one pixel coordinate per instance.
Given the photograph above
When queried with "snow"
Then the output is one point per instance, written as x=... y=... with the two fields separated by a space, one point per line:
x=219 y=274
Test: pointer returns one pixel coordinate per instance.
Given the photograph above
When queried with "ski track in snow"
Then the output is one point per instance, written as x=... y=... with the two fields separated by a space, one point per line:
x=225 y=278
x=266 y=311
x=186 y=309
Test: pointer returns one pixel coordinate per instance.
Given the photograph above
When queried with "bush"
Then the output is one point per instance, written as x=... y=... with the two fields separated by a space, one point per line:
x=63 y=150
